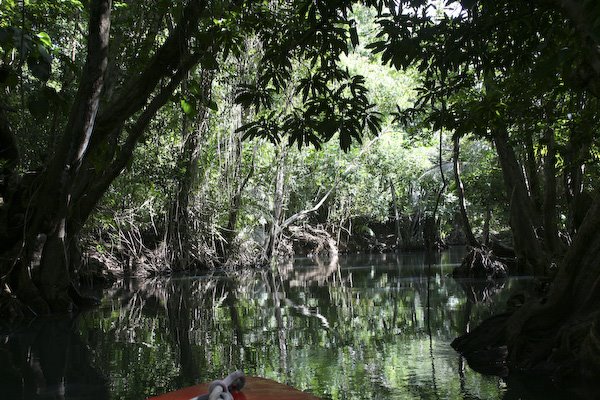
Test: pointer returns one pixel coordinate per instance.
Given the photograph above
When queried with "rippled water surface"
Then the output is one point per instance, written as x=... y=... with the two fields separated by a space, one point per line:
x=357 y=327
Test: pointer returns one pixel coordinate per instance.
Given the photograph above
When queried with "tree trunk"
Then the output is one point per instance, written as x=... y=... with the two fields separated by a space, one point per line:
x=550 y=218
x=561 y=328
x=277 y=211
x=574 y=190
x=179 y=231
x=531 y=170
x=42 y=244
x=236 y=201
x=575 y=155
x=527 y=246
x=54 y=204
x=396 y=213
x=486 y=225
x=236 y=197
x=431 y=231
x=471 y=240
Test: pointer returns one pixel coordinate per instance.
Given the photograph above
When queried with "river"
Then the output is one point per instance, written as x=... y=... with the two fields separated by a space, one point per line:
x=354 y=327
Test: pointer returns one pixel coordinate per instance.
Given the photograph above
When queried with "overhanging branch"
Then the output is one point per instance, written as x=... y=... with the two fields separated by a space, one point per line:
x=135 y=132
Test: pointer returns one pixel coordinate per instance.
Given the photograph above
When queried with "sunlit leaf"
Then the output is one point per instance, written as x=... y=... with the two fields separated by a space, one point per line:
x=44 y=39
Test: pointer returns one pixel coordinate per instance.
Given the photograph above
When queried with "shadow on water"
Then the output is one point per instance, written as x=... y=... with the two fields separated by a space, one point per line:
x=352 y=327
x=48 y=359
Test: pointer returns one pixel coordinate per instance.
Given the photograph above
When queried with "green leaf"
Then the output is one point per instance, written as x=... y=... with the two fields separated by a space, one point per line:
x=44 y=39
x=189 y=108
x=345 y=142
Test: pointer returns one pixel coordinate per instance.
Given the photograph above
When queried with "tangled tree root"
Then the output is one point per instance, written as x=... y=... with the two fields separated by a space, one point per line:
x=534 y=339
x=97 y=267
x=590 y=351
x=481 y=263
x=312 y=241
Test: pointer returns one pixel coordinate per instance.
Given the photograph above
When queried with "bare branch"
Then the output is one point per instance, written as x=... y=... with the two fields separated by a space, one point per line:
x=304 y=213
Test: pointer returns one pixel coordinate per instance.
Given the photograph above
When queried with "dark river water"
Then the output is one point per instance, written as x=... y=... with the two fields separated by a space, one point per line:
x=357 y=327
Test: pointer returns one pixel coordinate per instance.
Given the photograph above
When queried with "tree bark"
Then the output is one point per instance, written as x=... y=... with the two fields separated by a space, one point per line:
x=277 y=211
x=550 y=218
x=431 y=232
x=471 y=240
x=522 y=212
x=574 y=294
x=179 y=234
x=561 y=328
x=396 y=213
x=486 y=225
x=55 y=273
x=531 y=169
x=47 y=229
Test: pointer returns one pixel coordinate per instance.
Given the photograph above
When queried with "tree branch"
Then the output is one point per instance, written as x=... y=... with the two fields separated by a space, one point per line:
x=64 y=166
x=134 y=95
x=85 y=106
x=304 y=213
x=575 y=10
x=135 y=132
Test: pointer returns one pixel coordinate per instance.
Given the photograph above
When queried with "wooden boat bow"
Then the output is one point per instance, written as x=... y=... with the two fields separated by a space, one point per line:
x=255 y=389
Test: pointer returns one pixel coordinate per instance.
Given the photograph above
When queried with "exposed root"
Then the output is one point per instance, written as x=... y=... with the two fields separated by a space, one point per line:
x=244 y=253
x=481 y=263
x=312 y=241
x=485 y=347
x=99 y=267
x=285 y=249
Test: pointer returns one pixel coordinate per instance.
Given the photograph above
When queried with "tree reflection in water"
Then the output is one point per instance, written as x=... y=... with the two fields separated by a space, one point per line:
x=346 y=328
x=47 y=359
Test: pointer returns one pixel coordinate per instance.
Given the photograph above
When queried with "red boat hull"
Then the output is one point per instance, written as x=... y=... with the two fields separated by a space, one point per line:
x=255 y=389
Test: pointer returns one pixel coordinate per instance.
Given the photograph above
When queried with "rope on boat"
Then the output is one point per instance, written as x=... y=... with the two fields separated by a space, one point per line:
x=221 y=389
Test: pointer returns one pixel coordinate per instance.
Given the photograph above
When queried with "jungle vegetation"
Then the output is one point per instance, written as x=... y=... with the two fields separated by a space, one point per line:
x=160 y=136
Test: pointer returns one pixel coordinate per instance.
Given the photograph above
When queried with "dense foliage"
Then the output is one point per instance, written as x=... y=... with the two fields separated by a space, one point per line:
x=150 y=137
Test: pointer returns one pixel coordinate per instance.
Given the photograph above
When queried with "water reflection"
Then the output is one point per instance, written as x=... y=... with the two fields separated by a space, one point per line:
x=353 y=327
x=48 y=359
